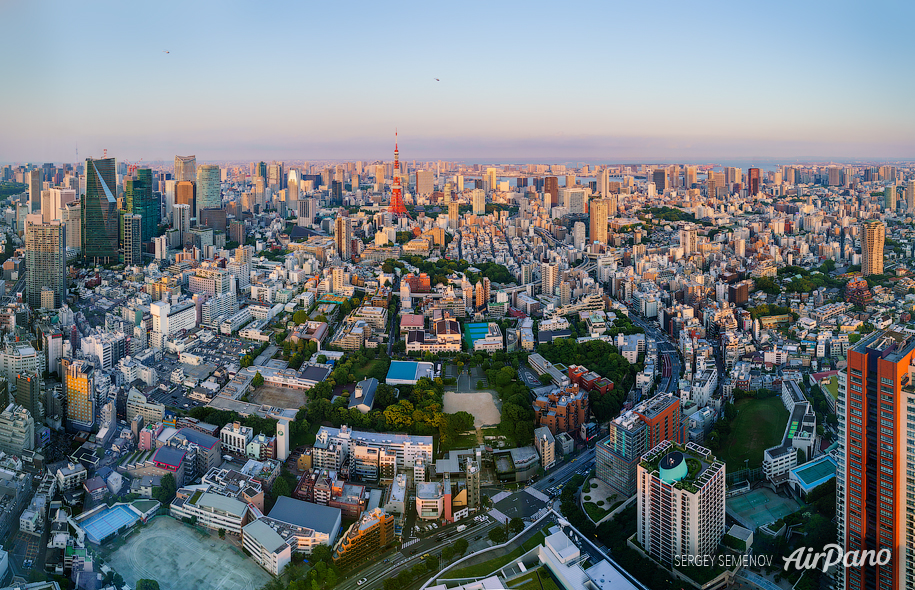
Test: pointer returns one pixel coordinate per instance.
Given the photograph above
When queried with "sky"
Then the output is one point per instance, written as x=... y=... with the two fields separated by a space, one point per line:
x=518 y=81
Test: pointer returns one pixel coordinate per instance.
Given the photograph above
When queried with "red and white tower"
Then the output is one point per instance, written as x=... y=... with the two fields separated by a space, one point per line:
x=397 y=206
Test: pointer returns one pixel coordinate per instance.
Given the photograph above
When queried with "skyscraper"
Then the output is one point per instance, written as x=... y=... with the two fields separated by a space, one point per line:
x=79 y=390
x=343 y=237
x=186 y=194
x=131 y=243
x=659 y=177
x=689 y=176
x=292 y=192
x=910 y=196
x=425 y=182
x=479 y=201
x=753 y=181
x=182 y=220
x=28 y=394
x=551 y=188
x=600 y=214
x=874 y=505
x=689 y=237
x=208 y=177
x=873 y=234
x=34 y=190
x=549 y=278
x=186 y=168
x=99 y=212
x=140 y=200
x=454 y=217
x=889 y=197
x=45 y=259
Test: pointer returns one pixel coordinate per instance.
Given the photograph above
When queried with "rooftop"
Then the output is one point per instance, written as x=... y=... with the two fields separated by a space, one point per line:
x=306 y=514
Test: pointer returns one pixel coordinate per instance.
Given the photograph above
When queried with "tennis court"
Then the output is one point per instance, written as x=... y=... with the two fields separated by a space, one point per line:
x=107 y=522
x=473 y=332
x=761 y=506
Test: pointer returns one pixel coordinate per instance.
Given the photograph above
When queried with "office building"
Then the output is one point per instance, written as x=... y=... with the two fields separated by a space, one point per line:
x=79 y=390
x=45 y=259
x=575 y=199
x=185 y=168
x=600 y=214
x=874 y=506
x=343 y=237
x=181 y=220
x=34 y=180
x=131 y=239
x=208 y=178
x=71 y=216
x=753 y=181
x=680 y=505
x=551 y=191
x=873 y=235
x=29 y=395
x=889 y=197
x=425 y=182
x=17 y=430
x=58 y=198
x=659 y=178
x=99 y=213
x=141 y=200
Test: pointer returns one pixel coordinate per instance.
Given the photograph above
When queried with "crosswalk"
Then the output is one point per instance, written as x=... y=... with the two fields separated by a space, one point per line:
x=501 y=496
x=406 y=544
x=536 y=493
x=498 y=516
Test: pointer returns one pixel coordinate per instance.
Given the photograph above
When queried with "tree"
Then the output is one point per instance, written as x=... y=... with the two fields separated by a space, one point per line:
x=321 y=553
x=166 y=490
x=497 y=535
x=221 y=533
x=258 y=380
x=545 y=378
x=147 y=584
x=300 y=317
x=460 y=546
x=448 y=553
x=515 y=525
x=281 y=488
x=322 y=358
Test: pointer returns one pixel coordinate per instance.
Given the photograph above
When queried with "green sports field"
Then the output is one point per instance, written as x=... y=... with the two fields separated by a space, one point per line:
x=759 y=425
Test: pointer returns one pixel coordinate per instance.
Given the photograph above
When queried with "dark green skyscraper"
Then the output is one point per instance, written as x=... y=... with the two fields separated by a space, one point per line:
x=142 y=201
x=99 y=212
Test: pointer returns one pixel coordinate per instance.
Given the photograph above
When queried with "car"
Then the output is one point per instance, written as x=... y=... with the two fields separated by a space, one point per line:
x=361 y=582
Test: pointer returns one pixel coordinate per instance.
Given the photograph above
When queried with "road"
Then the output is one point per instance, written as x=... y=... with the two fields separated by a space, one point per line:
x=393 y=335
x=376 y=573
x=669 y=383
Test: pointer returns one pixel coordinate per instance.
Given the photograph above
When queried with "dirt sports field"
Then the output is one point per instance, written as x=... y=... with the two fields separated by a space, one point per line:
x=481 y=404
x=280 y=397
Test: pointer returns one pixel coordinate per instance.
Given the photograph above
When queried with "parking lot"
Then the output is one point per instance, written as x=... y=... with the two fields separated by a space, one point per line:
x=529 y=377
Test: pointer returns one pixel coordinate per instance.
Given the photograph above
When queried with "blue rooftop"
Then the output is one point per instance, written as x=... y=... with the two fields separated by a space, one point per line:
x=402 y=370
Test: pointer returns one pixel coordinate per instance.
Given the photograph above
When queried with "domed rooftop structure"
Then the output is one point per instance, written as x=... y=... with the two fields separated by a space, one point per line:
x=672 y=467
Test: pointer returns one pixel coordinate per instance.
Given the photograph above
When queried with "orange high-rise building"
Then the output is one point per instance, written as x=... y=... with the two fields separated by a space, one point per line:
x=874 y=502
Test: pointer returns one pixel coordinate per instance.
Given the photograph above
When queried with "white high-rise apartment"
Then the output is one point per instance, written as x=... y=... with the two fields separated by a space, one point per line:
x=479 y=201
x=574 y=199
x=689 y=237
x=549 y=278
x=681 y=494
x=58 y=198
